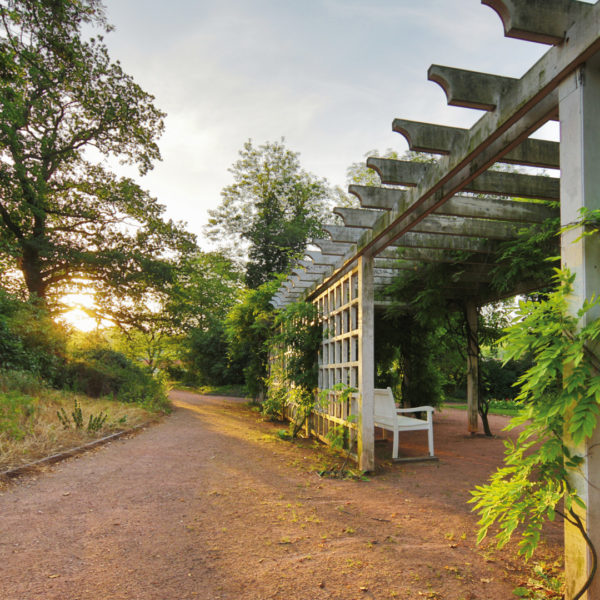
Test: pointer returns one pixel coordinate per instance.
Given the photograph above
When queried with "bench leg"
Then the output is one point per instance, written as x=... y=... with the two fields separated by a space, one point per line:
x=430 y=440
x=395 y=445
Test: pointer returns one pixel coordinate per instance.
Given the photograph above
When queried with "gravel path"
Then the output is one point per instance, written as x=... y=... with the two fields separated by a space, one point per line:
x=209 y=504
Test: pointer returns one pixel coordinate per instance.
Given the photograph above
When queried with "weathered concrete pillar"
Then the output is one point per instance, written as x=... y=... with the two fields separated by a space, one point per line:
x=472 y=366
x=579 y=106
x=366 y=356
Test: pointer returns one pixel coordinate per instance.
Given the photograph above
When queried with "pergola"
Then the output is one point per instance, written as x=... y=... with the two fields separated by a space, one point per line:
x=437 y=209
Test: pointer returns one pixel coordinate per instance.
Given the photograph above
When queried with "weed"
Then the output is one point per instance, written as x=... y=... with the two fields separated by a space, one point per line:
x=95 y=422
x=546 y=582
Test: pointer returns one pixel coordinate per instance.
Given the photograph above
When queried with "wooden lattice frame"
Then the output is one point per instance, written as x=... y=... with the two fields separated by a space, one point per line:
x=339 y=307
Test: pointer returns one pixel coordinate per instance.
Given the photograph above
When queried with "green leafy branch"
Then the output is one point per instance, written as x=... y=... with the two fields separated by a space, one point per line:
x=559 y=406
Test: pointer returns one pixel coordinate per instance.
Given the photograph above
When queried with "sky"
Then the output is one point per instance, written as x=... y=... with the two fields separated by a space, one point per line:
x=329 y=76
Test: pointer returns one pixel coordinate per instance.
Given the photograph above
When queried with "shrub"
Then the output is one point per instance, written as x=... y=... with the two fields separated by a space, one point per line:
x=30 y=340
x=103 y=372
x=16 y=411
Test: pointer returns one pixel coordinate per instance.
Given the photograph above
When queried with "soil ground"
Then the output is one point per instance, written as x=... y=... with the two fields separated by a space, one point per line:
x=210 y=504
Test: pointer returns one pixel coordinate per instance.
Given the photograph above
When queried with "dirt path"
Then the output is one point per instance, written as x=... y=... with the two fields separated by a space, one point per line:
x=211 y=505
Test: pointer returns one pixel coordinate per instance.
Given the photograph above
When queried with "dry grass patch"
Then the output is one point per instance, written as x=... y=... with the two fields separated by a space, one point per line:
x=30 y=428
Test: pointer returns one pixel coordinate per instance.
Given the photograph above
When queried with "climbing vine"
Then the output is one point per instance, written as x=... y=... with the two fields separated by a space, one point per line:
x=293 y=378
x=559 y=406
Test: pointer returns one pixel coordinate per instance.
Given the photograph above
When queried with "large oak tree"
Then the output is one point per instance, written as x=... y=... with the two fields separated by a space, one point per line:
x=65 y=105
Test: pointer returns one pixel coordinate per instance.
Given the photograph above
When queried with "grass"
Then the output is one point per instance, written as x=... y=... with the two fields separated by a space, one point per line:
x=497 y=407
x=233 y=390
x=30 y=428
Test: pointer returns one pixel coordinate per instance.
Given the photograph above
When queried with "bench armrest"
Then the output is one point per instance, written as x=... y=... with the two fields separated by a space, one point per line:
x=415 y=409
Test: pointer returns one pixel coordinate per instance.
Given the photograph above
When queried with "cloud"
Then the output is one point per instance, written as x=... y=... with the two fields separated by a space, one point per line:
x=328 y=75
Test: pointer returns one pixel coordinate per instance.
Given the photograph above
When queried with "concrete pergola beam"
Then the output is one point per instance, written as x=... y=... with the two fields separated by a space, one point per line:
x=300 y=284
x=427 y=255
x=535 y=153
x=399 y=172
x=312 y=267
x=497 y=209
x=436 y=224
x=516 y=184
x=401 y=263
x=307 y=276
x=470 y=89
x=339 y=233
x=543 y=21
x=465 y=227
x=444 y=242
x=426 y=137
x=363 y=218
x=459 y=206
x=380 y=198
x=441 y=139
x=321 y=259
x=332 y=248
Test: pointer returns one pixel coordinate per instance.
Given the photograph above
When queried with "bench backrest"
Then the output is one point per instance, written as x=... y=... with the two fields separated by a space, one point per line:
x=383 y=403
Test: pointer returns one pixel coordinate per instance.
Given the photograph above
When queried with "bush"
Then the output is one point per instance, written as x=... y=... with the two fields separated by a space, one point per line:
x=30 y=340
x=207 y=358
x=21 y=381
x=105 y=372
x=498 y=379
x=16 y=410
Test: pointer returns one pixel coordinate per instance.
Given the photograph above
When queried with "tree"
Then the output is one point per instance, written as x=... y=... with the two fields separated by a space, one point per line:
x=249 y=327
x=170 y=324
x=270 y=211
x=64 y=219
x=209 y=287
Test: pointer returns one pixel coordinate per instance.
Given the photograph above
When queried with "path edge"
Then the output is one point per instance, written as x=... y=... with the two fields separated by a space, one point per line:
x=54 y=458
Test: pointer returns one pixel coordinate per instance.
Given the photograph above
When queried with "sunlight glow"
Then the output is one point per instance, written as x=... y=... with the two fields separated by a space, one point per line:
x=77 y=317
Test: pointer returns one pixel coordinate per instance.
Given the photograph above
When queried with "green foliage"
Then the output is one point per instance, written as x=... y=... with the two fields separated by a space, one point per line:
x=16 y=410
x=276 y=397
x=293 y=346
x=65 y=221
x=339 y=435
x=95 y=422
x=30 y=340
x=559 y=394
x=207 y=359
x=298 y=332
x=208 y=287
x=589 y=221
x=270 y=211
x=407 y=356
x=546 y=582
x=498 y=379
x=101 y=371
x=526 y=258
x=302 y=403
x=248 y=327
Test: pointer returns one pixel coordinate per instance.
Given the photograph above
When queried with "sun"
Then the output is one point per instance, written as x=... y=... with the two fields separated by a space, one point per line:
x=76 y=315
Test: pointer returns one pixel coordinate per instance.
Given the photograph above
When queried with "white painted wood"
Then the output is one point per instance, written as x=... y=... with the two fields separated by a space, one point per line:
x=580 y=187
x=387 y=416
x=366 y=353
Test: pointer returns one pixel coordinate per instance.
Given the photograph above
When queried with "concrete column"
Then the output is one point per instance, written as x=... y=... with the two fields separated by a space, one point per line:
x=579 y=106
x=366 y=356
x=472 y=366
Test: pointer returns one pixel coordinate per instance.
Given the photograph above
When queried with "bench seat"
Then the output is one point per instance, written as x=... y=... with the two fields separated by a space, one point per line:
x=386 y=415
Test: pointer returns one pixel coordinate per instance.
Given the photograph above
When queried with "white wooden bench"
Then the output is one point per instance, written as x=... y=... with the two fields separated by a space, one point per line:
x=388 y=416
